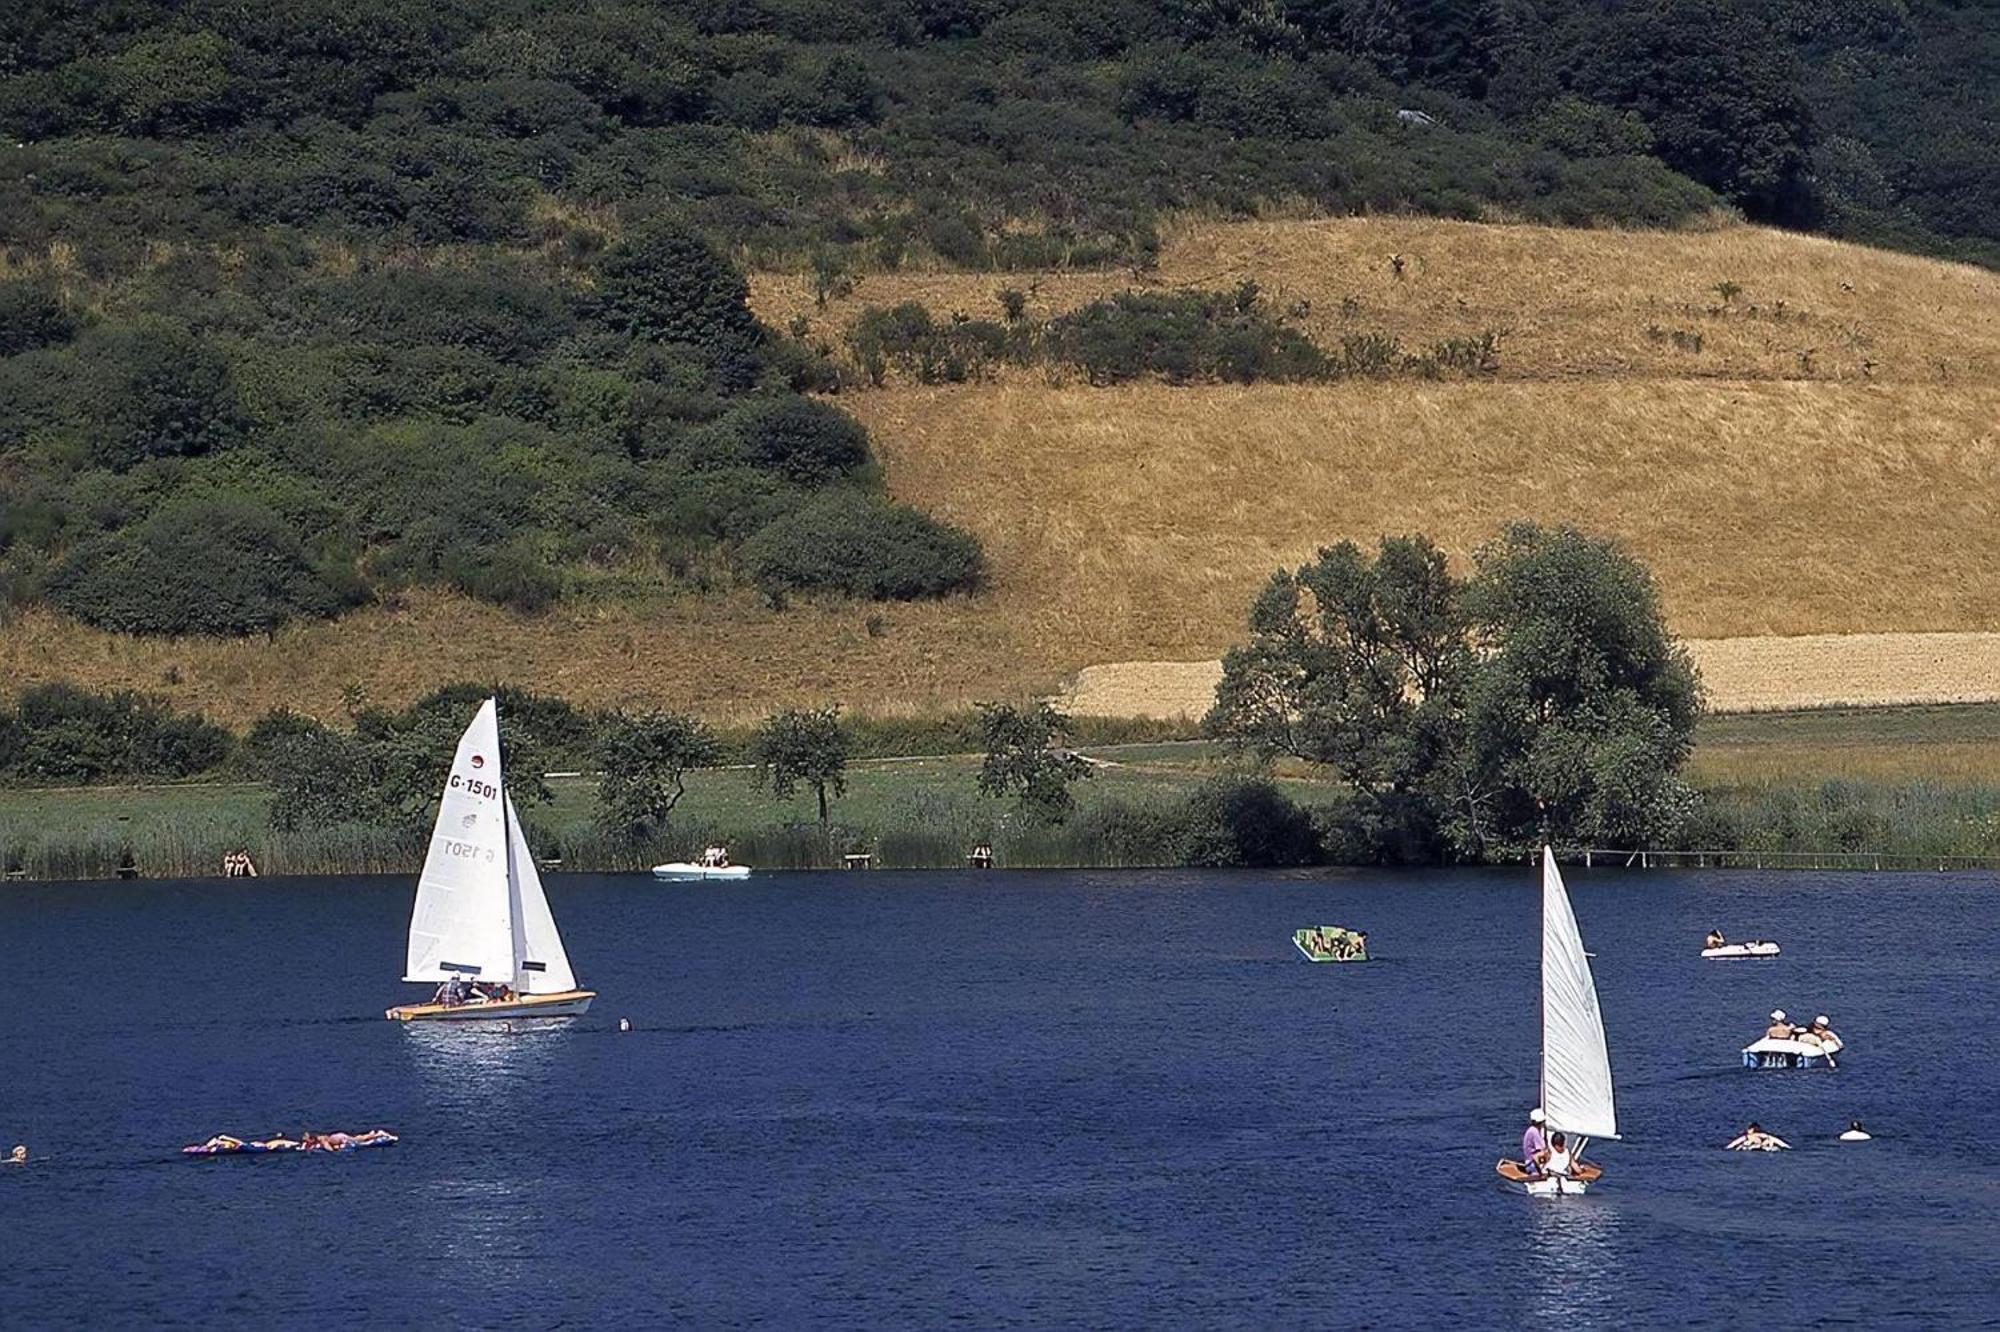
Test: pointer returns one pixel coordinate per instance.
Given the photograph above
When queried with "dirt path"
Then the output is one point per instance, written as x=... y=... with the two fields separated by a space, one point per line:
x=1741 y=675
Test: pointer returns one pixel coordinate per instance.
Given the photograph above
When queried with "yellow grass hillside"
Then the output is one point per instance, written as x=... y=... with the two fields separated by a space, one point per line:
x=1819 y=453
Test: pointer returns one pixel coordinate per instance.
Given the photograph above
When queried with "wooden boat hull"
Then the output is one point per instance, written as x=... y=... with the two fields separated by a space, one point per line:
x=567 y=1004
x=1578 y=1181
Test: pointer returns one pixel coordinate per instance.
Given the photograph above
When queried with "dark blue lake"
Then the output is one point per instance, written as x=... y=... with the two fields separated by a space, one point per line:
x=1081 y=1098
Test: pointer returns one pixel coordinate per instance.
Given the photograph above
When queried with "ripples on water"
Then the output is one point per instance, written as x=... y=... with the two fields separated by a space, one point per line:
x=997 y=1099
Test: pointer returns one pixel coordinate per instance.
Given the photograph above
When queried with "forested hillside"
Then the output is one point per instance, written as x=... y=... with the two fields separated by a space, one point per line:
x=308 y=301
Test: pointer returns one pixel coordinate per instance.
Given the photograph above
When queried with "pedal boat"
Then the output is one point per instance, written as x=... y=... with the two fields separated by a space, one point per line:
x=1754 y=948
x=1771 y=1052
x=564 y=1004
x=1310 y=947
x=686 y=871
x=1539 y=1184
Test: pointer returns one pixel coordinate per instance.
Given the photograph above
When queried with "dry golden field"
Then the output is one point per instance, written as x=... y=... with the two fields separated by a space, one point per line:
x=1567 y=303
x=1827 y=463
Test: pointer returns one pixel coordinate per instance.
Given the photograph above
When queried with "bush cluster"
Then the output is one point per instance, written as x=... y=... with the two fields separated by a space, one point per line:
x=63 y=734
x=1181 y=337
x=231 y=450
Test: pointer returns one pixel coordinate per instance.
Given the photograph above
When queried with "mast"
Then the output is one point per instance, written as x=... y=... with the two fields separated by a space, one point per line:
x=514 y=922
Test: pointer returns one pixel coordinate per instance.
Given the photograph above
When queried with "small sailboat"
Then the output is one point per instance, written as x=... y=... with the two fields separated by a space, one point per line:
x=481 y=929
x=1576 y=1068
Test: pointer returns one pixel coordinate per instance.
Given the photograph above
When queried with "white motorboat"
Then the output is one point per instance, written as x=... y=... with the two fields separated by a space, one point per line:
x=481 y=924
x=687 y=871
x=1576 y=1067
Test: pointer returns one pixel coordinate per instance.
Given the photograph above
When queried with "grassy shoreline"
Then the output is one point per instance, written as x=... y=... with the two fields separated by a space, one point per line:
x=1913 y=784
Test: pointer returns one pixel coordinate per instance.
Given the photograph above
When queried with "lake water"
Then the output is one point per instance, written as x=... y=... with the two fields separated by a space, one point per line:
x=1062 y=1098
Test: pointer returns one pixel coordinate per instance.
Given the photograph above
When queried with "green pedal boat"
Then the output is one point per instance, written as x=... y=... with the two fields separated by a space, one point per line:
x=1331 y=943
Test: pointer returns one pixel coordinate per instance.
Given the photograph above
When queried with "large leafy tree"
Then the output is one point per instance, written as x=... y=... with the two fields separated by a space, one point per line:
x=803 y=747
x=1353 y=662
x=1582 y=710
x=1543 y=698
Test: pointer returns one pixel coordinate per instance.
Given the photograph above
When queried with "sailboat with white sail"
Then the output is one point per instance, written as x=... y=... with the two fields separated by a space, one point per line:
x=1576 y=1067
x=481 y=929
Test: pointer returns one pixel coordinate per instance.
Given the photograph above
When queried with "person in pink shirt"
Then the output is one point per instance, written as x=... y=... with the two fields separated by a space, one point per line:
x=1534 y=1142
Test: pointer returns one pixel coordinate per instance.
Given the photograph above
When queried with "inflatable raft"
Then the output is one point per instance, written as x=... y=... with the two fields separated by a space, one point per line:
x=1331 y=943
x=1773 y=1052
x=224 y=1145
x=1755 y=948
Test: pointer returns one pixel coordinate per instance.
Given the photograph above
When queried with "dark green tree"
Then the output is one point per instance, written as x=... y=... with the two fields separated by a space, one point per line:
x=646 y=758
x=1026 y=758
x=1582 y=710
x=803 y=746
x=162 y=393
x=1354 y=663
x=665 y=283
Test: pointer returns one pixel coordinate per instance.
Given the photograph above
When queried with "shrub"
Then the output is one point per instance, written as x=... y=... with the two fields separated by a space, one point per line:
x=161 y=393
x=864 y=545
x=32 y=315
x=1230 y=821
x=664 y=283
x=205 y=565
x=1184 y=337
x=807 y=442
x=59 y=732
x=906 y=337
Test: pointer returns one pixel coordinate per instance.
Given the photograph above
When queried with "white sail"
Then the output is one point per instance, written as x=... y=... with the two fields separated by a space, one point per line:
x=463 y=921
x=543 y=966
x=1576 y=1070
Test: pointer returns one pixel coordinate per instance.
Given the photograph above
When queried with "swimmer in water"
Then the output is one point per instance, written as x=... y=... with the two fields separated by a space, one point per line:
x=19 y=1156
x=1755 y=1139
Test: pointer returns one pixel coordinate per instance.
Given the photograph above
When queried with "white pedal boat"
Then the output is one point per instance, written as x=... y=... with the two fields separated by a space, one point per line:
x=685 y=871
x=1771 y=1052
x=1755 y=948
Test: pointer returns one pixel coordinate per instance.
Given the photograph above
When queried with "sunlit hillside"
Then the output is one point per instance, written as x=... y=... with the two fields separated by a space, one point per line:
x=1798 y=436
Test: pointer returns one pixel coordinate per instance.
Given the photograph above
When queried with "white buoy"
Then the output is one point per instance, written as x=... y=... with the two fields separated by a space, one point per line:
x=1855 y=1133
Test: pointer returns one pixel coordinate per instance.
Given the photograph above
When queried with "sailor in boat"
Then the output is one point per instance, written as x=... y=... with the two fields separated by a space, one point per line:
x=715 y=857
x=1558 y=1159
x=1714 y=939
x=1755 y=1139
x=19 y=1156
x=1781 y=1028
x=1534 y=1142
x=1820 y=1034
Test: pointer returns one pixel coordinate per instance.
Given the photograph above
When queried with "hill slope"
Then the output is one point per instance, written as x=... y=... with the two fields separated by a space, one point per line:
x=1851 y=491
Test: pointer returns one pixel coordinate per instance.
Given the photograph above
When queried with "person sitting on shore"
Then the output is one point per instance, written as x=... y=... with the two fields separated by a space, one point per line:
x=1714 y=940
x=1781 y=1028
x=1755 y=1139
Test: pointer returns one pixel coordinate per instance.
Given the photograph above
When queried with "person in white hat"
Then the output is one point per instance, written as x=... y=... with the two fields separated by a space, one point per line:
x=1781 y=1028
x=1534 y=1143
